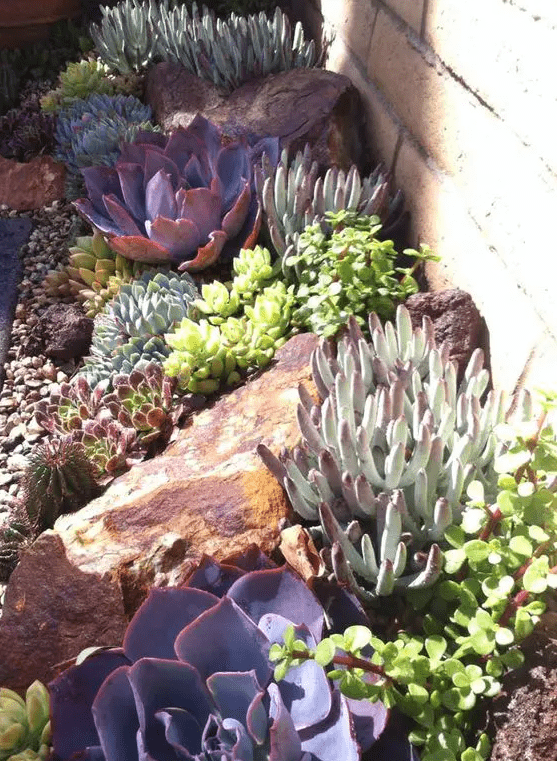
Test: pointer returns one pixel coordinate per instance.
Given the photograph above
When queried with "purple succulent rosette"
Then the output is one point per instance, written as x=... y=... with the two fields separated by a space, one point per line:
x=193 y=682
x=187 y=198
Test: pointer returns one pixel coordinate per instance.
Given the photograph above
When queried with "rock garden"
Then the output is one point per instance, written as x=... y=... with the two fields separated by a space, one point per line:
x=259 y=500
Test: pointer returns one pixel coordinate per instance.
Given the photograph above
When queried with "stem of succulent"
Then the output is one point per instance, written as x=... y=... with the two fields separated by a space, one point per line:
x=518 y=574
x=489 y=527
x=351 y=662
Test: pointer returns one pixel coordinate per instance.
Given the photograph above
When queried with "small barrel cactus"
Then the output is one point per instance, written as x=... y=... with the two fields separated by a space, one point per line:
x=58 y=479
x=24 y=724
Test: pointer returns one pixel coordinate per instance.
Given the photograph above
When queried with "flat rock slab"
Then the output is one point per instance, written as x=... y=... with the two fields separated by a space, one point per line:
x=14 y=233
x=207 y=493
x=51 y=612
x=31 y=185
x=300 y=106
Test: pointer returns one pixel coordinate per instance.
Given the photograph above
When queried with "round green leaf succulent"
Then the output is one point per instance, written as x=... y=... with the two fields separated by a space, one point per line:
x=24 y=724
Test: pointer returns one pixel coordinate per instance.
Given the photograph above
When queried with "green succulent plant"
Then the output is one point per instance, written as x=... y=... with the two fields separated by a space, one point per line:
x=127 y=36
x=143 y=400
x=58 y=479
x=293 y=197
x=489 y=598
x=9 y=85
x=84 y=78
x=65 y=410
x=235 y=327
x=226 y=52
x=16 y=534
x=111 y=447
x=90 y=131
x=94 y=274
x=128 y=334
x=24 y=724
x=386 y=456
x=347 y=272
x=232 y=51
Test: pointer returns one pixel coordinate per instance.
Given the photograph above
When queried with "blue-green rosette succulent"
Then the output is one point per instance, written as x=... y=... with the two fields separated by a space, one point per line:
x=193 y=680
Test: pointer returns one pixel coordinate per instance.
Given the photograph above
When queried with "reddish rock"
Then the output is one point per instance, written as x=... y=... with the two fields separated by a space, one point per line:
x=207 y=493
x=300 y=106
x=31 y=185
x=63 y=332
x=455 y=319
x=51 y=612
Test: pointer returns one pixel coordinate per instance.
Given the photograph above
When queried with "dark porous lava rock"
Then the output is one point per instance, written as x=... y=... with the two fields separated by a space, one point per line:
x=456 y=320
x=63 y=332
x=524 y=715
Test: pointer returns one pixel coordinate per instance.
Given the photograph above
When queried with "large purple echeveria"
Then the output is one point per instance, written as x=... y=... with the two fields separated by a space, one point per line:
x=193 y=680
x=184 y=198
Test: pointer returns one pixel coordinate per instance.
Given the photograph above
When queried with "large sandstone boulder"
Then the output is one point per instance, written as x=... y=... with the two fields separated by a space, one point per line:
x=298 y=106
x=207 y=493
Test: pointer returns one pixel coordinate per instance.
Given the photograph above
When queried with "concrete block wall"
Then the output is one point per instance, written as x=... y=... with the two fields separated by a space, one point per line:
x=461 y=105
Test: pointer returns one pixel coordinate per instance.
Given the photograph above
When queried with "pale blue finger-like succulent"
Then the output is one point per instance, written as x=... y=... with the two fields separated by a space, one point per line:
x=294 y=196
x=128 y=334
x=127 y=37
x=386 y=456
x=232 y=51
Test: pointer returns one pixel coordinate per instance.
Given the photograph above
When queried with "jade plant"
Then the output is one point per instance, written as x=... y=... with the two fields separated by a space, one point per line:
x=470 y=623
x=186 y=198
x=294 y=196
x=385 y=458
x=347 y=271
x=24 y=724
x=180 y=690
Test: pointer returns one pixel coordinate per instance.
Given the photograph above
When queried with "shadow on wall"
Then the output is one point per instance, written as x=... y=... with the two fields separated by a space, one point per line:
x=458 y=102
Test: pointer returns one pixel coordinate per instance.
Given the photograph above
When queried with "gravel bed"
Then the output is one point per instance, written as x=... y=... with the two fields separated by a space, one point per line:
x=30 y=376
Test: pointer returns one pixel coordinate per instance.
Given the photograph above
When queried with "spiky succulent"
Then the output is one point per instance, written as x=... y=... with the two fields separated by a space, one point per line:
x=24 y=724
x=127 y=36
x=59 y=478
x=89 y=132
x=94 y=274
x=186 y=198
x=143 y=400
x=231 y=52
x=386 y=456
x=9 y=84
x=16 y=533
x=293 y=196
x=128 y=334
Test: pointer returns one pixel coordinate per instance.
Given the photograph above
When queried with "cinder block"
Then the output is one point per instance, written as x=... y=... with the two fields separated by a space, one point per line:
x=507 y=56
x=382 y=129
x=440 y=217
x=352 y=20
x=409 y=11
